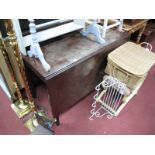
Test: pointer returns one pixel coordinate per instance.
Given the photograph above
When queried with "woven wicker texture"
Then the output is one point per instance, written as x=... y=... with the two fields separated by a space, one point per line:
x=133 y=58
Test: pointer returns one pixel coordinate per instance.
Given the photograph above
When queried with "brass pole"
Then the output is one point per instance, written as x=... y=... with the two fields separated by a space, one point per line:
x=17 y=54
x=11 y=71
x=20 y=106
x=31 y=123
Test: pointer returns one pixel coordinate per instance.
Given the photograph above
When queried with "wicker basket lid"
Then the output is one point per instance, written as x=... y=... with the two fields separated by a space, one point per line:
x=133 y=58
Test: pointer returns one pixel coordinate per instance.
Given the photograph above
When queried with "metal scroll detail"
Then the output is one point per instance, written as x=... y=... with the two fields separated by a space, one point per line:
x=110 y=93
x=97 y=111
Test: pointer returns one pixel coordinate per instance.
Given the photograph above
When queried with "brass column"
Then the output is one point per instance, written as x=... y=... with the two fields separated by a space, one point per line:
x=14 y=45
x=22 y=106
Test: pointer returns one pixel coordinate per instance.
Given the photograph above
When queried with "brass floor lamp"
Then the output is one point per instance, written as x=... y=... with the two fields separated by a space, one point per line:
x=22 y=106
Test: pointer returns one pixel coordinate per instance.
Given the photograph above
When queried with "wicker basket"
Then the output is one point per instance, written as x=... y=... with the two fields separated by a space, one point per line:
x=130 y=63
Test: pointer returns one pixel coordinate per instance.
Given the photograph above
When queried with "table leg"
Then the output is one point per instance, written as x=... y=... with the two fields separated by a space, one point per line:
x=51 y=100
x=57 y=121
x=140 y=33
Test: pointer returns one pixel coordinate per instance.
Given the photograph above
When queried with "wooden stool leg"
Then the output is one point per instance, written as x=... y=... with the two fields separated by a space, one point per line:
x=140 y=34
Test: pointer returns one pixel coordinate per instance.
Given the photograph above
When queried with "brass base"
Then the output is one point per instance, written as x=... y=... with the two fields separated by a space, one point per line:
x=21 y=109
x=32 y=123
x=42 y=113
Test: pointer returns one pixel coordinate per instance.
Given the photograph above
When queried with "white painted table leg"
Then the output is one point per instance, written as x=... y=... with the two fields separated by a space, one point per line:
x=104 y=28
x=35 y=49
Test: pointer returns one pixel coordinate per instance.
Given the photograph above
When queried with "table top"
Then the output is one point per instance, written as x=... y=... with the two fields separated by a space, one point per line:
x=69 y=51
x=128 y=27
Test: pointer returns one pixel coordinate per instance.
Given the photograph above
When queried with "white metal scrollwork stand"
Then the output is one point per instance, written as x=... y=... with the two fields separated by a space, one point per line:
x=96 y=112
x=35 y=49
x=110 y=97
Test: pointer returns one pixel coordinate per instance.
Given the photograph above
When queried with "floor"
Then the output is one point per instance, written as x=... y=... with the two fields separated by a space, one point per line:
x=138 y=117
